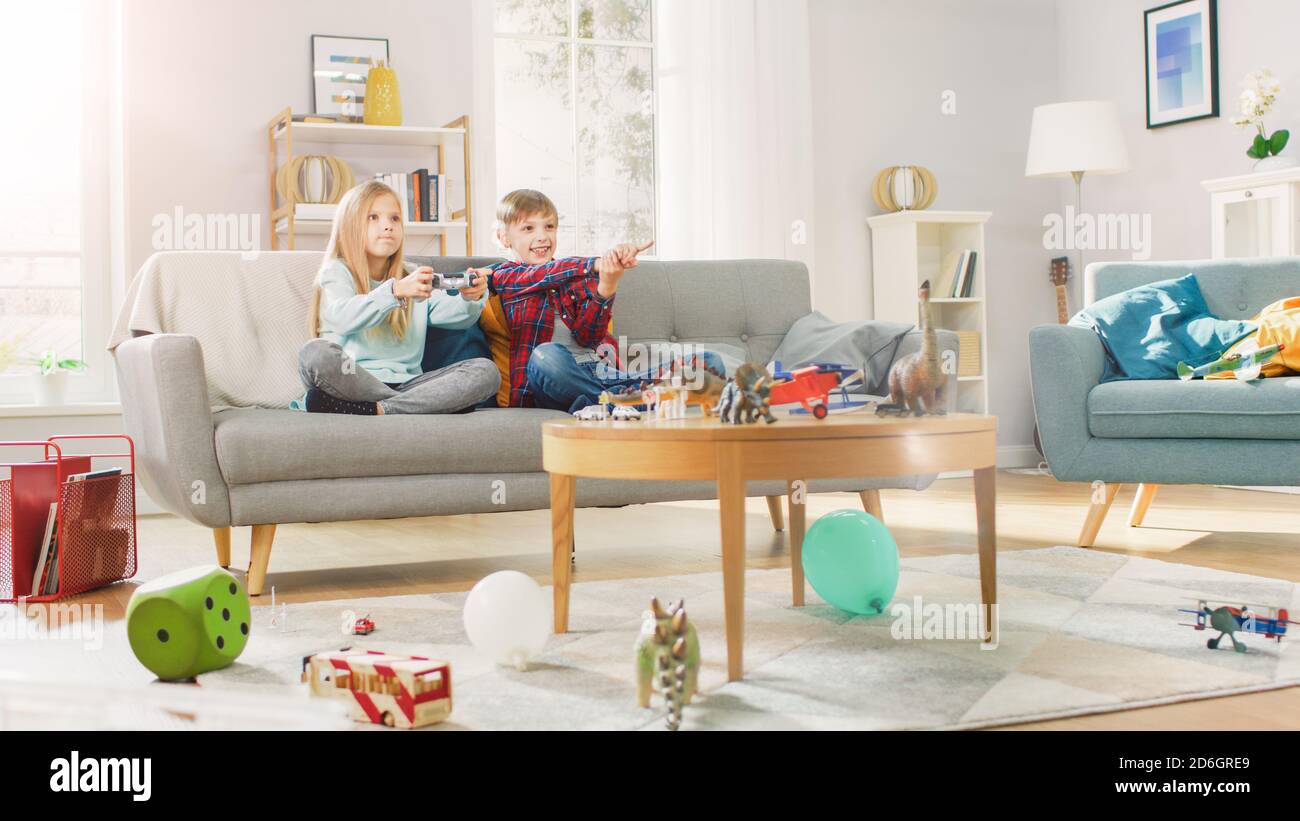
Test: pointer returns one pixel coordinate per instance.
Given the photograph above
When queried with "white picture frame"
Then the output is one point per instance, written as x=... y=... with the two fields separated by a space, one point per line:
x=340 y=66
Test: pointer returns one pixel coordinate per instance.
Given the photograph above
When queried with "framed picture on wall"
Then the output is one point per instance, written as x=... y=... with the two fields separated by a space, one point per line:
x=1182 y=51
x=339 y=69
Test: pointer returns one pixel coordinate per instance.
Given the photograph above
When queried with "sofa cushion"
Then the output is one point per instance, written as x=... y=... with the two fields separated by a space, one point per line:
x=1160 y=409
x=264 y=445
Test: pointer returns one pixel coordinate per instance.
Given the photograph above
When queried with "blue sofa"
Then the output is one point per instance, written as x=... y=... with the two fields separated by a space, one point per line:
x=1154 y=432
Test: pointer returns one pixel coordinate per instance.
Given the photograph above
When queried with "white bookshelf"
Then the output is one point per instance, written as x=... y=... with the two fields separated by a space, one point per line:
x=283 y=134
x=909 y=247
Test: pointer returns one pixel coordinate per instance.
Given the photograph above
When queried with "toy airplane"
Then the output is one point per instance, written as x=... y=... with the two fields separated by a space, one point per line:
x=1229 y=620
x=812 y=384
x=1245 y=365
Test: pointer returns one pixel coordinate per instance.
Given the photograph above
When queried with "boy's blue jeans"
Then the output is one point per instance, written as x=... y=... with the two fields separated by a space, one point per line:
x=560 y=382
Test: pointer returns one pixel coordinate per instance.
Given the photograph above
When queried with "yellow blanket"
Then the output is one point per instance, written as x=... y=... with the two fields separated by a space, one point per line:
x=1279 y=322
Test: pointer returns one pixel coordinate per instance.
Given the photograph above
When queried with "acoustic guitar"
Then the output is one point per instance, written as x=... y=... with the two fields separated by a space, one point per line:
x=1060 y=275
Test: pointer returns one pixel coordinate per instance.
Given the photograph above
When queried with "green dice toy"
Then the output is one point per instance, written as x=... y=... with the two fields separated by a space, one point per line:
x=189 y=622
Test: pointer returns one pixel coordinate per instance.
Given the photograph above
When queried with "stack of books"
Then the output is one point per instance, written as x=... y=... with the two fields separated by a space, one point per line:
x=423 y=196
x=963 y=279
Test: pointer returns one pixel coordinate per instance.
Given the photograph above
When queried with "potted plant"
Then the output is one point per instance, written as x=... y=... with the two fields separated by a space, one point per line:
x=51 y=376
x=1258 y=94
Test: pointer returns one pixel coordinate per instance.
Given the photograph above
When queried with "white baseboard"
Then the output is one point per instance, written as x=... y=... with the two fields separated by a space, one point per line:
x=1018 y=456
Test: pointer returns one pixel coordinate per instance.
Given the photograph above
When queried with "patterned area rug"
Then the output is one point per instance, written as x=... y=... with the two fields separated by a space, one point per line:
x=1080 y=632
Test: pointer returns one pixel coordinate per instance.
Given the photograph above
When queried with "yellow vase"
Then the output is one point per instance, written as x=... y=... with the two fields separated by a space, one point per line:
x=383 y=99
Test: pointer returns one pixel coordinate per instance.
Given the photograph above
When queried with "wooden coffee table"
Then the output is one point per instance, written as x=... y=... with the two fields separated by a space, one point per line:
x=793 y=449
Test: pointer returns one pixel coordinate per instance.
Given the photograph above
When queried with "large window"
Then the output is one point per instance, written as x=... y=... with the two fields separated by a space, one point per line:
x=53 y=232
x=575 y=114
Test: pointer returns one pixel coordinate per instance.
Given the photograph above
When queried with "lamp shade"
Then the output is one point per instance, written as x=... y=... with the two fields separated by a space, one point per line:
x=1081 y=136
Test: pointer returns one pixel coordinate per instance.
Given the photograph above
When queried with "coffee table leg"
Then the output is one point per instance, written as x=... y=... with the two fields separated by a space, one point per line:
x=731 y=502
x=797 y=494
x=986 y=512
x=562 y=493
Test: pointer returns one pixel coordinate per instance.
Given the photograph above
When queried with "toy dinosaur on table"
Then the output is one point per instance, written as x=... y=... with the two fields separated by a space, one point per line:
x=916 y=381
x=667 y=658
x=746 y=395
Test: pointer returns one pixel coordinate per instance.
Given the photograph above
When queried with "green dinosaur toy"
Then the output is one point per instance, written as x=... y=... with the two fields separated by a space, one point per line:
x=667 y=657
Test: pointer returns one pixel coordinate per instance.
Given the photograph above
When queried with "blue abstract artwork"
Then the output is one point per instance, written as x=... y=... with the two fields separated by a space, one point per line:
x=1180 y=68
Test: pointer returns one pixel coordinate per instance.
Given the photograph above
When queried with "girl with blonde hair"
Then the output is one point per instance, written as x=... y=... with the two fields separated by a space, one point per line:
x=369 y=316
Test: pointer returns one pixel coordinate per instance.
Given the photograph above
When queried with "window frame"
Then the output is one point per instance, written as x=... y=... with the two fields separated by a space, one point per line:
x=573 y=41
x=99 y=81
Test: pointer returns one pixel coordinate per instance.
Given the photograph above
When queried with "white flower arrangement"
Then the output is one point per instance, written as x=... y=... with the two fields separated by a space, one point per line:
x=1259 y=91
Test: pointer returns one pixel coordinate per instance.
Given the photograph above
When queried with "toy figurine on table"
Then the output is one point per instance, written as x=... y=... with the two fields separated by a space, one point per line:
x=1270 y=622
x=917 y=382
x=1245 y=364
x=746 y=396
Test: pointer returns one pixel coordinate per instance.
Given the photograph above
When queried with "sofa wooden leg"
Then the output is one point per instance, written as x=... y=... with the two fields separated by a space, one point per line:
x=1145 y=494
x=774 y=510
x=259 y=556
x=871 y=503
x=1102 y=495
x=221 y=536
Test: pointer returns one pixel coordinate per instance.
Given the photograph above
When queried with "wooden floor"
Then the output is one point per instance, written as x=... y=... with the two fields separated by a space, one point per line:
x=1236 y=530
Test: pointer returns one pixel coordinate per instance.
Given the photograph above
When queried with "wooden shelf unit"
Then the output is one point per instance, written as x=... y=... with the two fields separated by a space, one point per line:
x=909 y=247
x=282 y=128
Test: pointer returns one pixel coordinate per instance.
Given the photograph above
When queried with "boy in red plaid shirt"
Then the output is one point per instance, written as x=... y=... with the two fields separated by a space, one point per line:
x=557 y=309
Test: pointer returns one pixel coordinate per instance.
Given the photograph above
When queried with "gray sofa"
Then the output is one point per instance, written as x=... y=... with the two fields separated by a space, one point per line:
x=260 y=466
x=1154 y=432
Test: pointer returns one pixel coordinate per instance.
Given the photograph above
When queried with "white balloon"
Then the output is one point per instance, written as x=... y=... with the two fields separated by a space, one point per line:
x=507 y=618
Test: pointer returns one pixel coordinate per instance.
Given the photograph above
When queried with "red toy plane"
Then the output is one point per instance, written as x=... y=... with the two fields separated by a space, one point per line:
x=811 y=387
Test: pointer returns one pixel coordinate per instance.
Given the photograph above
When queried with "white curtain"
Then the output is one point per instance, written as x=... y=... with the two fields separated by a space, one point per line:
x=735 y=137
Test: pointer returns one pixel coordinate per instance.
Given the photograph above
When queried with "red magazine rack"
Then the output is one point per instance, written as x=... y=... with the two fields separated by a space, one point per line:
x=95 y=520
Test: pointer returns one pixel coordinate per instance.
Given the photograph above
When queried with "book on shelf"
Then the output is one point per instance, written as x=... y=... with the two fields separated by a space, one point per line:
x=963 y=276
x=42 y=557
x=422 y=196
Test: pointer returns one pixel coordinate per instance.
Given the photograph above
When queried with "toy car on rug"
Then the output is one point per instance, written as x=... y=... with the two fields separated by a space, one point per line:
x=363 y=626
x=382 y=688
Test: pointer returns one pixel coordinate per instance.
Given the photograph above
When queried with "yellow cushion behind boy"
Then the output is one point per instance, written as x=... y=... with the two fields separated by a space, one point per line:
x=493 y=323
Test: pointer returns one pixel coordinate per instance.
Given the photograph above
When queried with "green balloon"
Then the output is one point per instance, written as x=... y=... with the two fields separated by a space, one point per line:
x=851 y=559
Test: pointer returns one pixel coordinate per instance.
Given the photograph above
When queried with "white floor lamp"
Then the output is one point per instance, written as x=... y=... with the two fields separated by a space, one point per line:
x=1073 y=139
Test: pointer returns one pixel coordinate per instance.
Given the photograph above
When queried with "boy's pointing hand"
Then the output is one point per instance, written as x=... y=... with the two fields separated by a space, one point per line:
x=627 y=253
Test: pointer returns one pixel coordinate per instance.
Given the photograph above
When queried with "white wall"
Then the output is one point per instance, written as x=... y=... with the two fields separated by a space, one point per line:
x=202 y=80
x=1101 y=57
x=879 y=68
